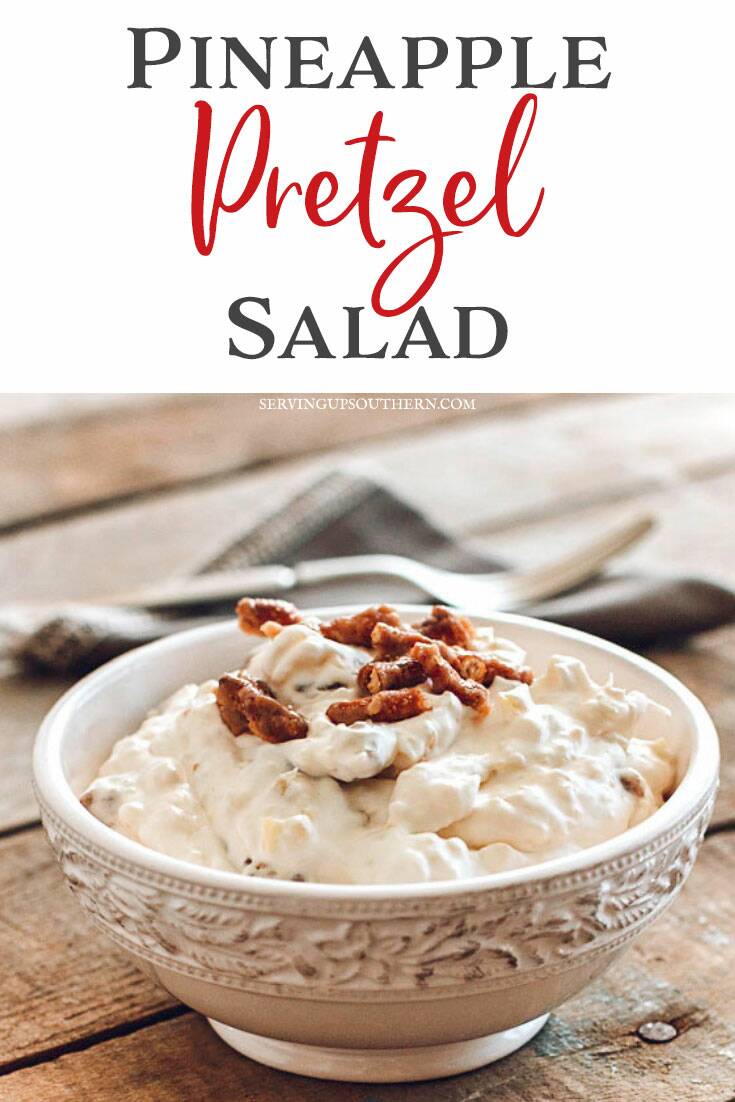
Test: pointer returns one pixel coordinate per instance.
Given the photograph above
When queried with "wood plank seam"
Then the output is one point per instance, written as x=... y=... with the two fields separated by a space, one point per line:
x=19 y=828
x=235 y=470
x=124 y=1029
x=577 y=503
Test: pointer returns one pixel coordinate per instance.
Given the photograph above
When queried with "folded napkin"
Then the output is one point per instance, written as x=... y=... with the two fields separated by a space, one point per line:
x=348 y=514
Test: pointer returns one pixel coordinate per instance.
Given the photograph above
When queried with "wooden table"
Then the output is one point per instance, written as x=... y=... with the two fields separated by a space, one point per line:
x=104 y=497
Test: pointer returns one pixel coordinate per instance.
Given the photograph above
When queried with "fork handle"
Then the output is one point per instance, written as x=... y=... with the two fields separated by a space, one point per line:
x=349 y=566
x=267 y=579
x=228 y=585
x=224 y=585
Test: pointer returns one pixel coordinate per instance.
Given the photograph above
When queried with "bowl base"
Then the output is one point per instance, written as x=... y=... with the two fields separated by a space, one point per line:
x=379 y=1065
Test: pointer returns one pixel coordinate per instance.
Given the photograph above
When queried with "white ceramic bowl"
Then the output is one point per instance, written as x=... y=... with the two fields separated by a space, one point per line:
x=374 y=983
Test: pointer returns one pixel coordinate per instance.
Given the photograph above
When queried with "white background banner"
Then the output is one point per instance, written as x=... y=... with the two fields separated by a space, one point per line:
x=622 y=282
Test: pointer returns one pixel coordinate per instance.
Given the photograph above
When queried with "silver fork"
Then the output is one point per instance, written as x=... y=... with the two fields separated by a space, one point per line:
x=501 y=590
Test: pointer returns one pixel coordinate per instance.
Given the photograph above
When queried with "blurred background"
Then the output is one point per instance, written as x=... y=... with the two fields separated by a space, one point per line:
x=99 y=493
x=101 y=489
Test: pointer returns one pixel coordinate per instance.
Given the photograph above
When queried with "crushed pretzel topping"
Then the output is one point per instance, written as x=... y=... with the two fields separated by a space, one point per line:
x=392 y=641
x=390 y=706
x=437 y=649
x=456 y=631
x=254 y=612
x=228 y=703
x=356 y=630
x=484 y=667
x=401 y=674
x=444 y=678
x=248 y=706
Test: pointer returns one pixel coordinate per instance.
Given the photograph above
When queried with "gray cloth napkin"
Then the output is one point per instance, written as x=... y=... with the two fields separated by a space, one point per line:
x=347 y=514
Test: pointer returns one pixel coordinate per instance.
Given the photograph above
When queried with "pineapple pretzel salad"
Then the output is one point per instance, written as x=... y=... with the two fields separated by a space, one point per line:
x=367 y=750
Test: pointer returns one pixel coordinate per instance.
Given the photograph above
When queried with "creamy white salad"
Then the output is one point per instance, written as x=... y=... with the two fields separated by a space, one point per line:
x=300 y=767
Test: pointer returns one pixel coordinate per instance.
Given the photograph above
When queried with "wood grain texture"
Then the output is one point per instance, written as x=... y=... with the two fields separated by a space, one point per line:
x=25 y=700
x=485 y=475
x=61 y=979
x=98 y=452
x=693 y=533
x=682 y=970
x=707 y=666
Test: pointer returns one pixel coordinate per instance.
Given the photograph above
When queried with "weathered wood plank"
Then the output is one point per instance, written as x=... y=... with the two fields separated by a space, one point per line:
x=547 y=462
x=682 y=970
x=478 y=475
x=707 y=666
x=61 y=979
x=693 y=532
x=25 y=701
x=87 y=454
x=18 y=410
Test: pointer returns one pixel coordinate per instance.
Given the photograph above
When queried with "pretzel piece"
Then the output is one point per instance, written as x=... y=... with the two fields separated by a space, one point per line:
x=484 y=667
x=401 y=674
x=356 y=630
x=455 y=631
x=254 y=612
x=248 y=706
x=389 y=706
x=444 y=678
x=392 y=641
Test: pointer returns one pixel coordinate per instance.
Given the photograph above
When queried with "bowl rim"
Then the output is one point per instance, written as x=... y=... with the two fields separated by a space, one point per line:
x=55 y=794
